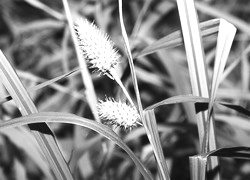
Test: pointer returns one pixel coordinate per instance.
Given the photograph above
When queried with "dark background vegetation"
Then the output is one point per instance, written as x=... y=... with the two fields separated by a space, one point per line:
x=39 y=46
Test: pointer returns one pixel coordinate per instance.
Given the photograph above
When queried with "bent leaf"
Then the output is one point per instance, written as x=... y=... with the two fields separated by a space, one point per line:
x=54 y=117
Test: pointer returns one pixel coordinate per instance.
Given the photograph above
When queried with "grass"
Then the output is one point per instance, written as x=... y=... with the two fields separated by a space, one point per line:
x=183 y=67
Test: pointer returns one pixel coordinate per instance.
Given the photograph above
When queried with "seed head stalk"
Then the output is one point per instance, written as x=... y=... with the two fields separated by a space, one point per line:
x=118 y=81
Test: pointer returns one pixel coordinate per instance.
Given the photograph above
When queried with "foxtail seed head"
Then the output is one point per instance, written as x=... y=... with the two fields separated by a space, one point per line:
x=96 y=46
x=118 y=113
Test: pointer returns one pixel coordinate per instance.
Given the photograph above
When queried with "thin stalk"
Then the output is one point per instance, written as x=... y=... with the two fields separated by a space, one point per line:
x=118 y=81
x=130 y=60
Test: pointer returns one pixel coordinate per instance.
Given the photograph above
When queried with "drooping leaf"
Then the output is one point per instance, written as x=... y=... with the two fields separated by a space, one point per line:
x=46 y=117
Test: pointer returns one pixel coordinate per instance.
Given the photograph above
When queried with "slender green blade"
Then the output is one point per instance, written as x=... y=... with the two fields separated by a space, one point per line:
x=55 y=117
x=26 y=106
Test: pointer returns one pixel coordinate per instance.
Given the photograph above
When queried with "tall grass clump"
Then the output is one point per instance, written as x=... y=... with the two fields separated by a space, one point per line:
x=124 y=90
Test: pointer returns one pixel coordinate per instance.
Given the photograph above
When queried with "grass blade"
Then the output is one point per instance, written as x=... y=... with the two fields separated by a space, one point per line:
x=26 y=106
x=76 y=120
x=178 y=99
x=239 y=152
x=155 y=141
x=199 y=101
x=225 y=39
x=46 y=9
x=174 y=39
x=45 y=84
x=199 y=162
x=197 y=68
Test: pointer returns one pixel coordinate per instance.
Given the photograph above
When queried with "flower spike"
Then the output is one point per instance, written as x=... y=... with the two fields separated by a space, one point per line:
x=118 y=113
x=97 y=47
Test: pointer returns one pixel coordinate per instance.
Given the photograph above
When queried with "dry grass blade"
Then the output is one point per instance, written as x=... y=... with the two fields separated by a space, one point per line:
x=90 y=91
x=174 y=39
x=76 y=120
x=26 y=106
x=197 y=67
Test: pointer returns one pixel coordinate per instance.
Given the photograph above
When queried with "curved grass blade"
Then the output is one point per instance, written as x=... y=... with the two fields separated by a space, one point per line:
x=43 y=134
x=239 y=152
x=199 y=101
x=178 y=99
x=237 y=108
x=54 y=117
x=175 y=39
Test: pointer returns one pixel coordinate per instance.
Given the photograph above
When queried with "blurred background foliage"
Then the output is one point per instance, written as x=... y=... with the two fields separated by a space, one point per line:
x=35 y=37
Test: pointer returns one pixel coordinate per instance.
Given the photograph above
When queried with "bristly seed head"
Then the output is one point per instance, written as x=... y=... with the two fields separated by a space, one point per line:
x=118 y=113
x=96 y=46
